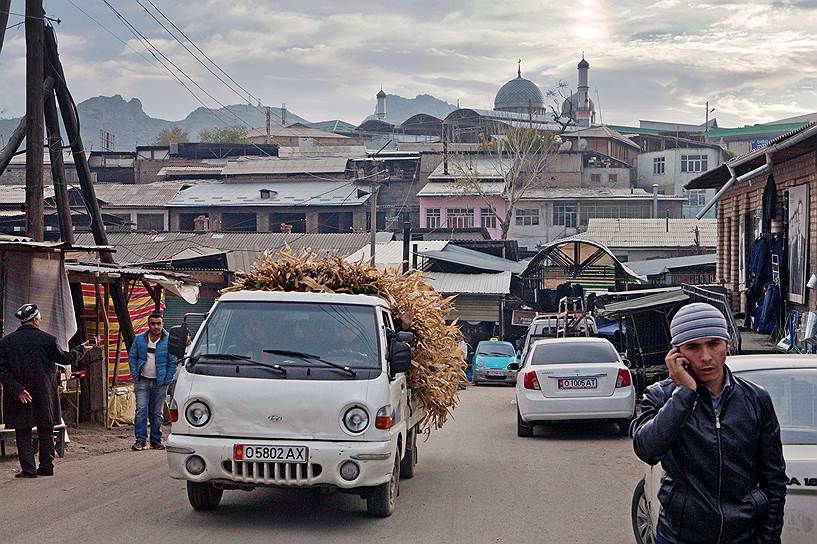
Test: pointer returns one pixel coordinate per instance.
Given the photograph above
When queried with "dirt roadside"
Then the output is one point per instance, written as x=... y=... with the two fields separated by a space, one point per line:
x=88 y=440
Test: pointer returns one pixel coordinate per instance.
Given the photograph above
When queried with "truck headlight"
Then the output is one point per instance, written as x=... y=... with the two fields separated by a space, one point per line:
x=197 y=414
x=356 y=419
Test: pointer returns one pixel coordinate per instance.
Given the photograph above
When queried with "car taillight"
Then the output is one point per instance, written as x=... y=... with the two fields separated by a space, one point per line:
x=531 y=381
x=624 y=379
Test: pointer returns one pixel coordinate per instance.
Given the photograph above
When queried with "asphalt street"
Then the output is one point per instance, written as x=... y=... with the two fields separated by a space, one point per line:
x=476 y=482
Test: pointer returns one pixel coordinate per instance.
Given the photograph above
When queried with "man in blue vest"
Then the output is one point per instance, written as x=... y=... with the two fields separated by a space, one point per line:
x=152 y=369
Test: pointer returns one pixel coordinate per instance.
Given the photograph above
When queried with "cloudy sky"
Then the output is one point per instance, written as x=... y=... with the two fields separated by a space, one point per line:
x=754 y=61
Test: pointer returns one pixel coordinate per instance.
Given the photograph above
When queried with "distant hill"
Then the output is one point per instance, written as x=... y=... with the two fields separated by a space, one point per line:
x=398 y=108
x=132 y=126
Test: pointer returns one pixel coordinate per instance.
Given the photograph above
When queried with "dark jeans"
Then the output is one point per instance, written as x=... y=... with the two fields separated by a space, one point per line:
x=150 y=399
x=25 y=448
x=661 y=540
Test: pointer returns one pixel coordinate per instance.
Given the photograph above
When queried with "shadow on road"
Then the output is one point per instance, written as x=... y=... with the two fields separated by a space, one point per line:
x=578 y=430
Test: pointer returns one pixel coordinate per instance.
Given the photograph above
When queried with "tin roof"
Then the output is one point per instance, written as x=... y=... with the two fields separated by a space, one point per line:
x=280 y=194
x=390 y=254
x=145 y=195
x=653 y=233
x=653 y=267
x=276 y=166
x=474 y=284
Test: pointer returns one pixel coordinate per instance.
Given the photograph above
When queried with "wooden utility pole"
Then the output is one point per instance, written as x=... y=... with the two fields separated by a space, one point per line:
x=5 y=7
x=19 y=134
x=406 y=245
x=70 y=120
x=35 y=51
x=52 y=125
x=373 y=218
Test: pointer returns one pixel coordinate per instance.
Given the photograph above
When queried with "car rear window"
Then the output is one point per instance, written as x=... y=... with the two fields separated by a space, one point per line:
x=573 y=353
x=794 y=395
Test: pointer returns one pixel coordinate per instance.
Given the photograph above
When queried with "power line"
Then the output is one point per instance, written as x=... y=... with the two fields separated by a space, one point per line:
x=220 y=69
x=241 y=96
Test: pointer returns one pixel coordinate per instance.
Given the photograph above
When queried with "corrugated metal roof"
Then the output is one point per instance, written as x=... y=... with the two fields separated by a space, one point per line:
x=579 y=193
x=283 y=194
x=145 y=195
x=455 y=254
x=67 y=158
x=441 y=188
x=641 y=233
x=476 y=284
x=390 y=254
x=273 y=166
x=601 y=132
x=480 y=166
x=140 y=247
x=293 y=132
x=323 y=151
x=188 y=170
x=654 y=267
x=15 y=195
x=644 y=303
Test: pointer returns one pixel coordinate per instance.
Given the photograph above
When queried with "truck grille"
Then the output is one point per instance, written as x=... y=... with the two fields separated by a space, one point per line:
x=271 y=473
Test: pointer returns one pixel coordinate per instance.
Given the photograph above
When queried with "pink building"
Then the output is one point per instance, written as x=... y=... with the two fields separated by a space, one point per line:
x=446 y=203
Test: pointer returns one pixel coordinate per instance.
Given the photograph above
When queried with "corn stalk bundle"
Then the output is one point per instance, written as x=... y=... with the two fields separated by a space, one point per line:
x=437 y=365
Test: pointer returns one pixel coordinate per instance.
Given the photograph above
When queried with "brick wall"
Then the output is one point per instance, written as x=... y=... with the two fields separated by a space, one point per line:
x=748 y=196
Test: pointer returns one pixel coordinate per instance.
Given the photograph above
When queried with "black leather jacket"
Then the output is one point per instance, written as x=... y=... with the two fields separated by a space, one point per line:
x=725 y=477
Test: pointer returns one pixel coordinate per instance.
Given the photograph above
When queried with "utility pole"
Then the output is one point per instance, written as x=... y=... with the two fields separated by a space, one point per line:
x=52 y=125
x=706 y=126
x=406 y=245
x=269 y=122
x=284 y=114
x=5 y=7
x=373 y=216
x=35 y=67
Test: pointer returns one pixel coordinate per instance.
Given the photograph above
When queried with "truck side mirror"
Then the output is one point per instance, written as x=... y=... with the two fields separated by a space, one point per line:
x=177 y=343
x=399 y=355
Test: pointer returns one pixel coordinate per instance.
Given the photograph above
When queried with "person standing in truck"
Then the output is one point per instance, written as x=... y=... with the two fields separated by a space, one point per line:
x=717 y=438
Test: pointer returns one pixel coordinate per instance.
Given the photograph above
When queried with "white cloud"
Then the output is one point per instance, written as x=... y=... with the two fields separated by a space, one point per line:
x=752 y=60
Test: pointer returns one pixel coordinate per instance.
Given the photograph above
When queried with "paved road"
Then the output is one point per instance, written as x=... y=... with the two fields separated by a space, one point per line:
x=477 y=482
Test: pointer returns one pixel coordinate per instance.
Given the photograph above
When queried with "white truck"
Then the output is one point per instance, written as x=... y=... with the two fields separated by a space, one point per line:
x=291 y=389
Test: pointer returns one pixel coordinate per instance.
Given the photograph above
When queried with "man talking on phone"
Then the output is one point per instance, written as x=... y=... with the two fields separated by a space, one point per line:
x=717 y=438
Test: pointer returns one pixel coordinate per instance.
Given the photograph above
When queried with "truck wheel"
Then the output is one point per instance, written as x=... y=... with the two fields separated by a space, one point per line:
x=380 y=503
x=523 y=429
x=641 y=516
x=409 y=462
x=203 y=495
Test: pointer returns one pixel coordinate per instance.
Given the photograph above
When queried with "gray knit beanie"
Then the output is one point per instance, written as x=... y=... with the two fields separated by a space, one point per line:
x=695 y=321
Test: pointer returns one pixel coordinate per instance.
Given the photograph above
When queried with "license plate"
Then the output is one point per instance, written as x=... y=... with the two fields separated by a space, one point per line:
x=283 y=454
x=578 y=383
x=497 y=373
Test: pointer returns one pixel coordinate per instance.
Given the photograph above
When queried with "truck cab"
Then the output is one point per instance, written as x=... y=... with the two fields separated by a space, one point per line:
x=291 y=389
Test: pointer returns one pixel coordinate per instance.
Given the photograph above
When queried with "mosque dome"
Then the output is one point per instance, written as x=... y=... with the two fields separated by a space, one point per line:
x=519 y=95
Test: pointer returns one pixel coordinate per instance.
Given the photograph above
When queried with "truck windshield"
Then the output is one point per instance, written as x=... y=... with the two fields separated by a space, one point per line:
x=274 y=332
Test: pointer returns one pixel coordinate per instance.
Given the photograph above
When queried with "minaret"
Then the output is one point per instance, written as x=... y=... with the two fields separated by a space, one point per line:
x=583 y=113
x=380 y=111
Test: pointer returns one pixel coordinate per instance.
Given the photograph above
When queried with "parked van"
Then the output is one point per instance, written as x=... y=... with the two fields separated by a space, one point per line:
x=285 y=389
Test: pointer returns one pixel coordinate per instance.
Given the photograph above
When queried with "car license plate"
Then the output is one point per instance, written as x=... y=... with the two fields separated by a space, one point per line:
x=578 y=383
x=497 y=373
x=282 y=454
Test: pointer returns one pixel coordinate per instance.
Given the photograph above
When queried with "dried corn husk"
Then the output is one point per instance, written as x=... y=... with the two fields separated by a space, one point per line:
x=437 y=366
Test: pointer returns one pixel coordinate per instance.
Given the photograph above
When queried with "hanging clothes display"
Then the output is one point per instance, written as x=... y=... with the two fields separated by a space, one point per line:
x=769 y=203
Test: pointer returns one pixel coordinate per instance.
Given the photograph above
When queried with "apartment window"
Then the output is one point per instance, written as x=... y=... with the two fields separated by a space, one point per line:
x=659 y=165
x=433 y=218
x=696 y=197
x=459 y=218
x=150 y=221
x=487 y=218
x=694 y=163
x=612 y=178
x=564 y=215
x=595 y=178
x=527 y=217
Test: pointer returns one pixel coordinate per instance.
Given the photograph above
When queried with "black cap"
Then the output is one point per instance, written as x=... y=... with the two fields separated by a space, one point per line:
x=27 y=312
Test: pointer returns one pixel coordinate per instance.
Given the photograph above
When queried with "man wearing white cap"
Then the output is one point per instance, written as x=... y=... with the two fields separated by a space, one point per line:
x=717 y=438
x=29 y=378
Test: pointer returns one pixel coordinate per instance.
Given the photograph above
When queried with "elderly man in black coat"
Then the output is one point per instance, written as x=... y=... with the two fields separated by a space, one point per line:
x=29 y=378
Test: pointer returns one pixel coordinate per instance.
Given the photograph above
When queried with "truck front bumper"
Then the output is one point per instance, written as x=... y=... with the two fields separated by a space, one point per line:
x=375 y=461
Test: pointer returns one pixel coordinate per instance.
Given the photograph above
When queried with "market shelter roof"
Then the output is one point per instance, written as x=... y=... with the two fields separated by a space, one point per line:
x=472 y=284
x=644 y=233
x=643 y=304
x=181 y=285
x=586 y=262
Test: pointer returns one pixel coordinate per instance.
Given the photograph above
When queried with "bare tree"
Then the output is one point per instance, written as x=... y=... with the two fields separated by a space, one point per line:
x=511 y=166
x=172 y=135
